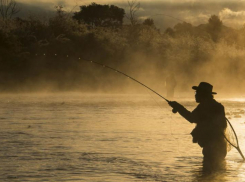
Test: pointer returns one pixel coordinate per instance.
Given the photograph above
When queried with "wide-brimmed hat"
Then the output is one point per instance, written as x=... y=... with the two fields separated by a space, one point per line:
x=204 y=87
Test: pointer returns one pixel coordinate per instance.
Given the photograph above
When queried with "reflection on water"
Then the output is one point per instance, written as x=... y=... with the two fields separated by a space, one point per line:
x=77 y=137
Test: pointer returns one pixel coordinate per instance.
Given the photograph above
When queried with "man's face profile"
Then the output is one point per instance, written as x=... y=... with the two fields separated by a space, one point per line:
x=198 y=97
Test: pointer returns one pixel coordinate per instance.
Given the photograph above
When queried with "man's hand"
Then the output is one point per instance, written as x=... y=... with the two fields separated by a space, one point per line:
x=175 y=105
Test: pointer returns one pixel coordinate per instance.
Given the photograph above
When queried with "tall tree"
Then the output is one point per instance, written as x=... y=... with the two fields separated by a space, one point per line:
x=149 y=22
x=98 y=15
x=134 y=6
x=214 y=27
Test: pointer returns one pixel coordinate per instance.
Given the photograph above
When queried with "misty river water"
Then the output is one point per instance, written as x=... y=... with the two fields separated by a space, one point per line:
x=105 y=138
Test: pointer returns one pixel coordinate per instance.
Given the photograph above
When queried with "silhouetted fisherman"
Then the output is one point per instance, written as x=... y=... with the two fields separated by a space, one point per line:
x=209 y=117
x=170 y=84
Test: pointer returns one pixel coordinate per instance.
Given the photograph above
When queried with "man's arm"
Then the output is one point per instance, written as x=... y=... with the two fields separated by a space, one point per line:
x=189 y=116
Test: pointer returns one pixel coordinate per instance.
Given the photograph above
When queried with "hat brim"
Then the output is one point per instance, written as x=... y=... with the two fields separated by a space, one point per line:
x=196 y=88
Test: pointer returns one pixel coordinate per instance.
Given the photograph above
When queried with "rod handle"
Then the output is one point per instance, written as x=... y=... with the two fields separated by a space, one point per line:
x=173 y=110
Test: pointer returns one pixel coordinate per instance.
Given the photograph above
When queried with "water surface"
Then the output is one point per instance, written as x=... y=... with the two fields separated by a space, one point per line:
x=105 y=137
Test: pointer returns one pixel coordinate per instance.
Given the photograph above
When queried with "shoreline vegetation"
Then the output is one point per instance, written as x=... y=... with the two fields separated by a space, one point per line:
x=38 y=56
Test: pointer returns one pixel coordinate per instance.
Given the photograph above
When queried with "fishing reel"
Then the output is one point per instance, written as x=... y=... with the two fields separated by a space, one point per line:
x=174 y=111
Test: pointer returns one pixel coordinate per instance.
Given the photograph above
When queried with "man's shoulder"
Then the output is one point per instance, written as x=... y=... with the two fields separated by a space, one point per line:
x=217 y=104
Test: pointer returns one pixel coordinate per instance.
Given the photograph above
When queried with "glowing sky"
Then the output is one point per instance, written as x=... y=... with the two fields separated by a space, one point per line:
x=231 y=12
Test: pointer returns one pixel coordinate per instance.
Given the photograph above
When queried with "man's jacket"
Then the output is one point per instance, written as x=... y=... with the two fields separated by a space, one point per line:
x=210 y=119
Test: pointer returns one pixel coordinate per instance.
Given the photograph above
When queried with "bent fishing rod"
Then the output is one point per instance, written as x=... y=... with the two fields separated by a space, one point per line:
x=236 y=146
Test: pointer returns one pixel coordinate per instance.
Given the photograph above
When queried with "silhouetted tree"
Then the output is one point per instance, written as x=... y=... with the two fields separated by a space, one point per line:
x=149 y=22
x=100 y=15
x=214 y=27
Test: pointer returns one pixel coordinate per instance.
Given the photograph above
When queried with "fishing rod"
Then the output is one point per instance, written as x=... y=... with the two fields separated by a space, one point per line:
x=128 y=77
x=103 y=65
x=173 y=110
